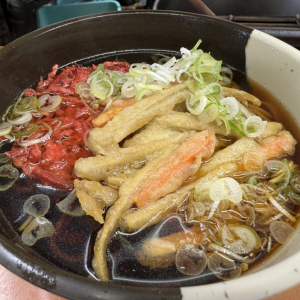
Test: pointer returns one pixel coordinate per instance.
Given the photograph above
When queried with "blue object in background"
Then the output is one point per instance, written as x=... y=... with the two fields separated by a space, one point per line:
x=47 y=15
x=62 y=2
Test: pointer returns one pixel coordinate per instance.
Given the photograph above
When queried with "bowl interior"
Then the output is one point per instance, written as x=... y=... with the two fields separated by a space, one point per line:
x=133 y=36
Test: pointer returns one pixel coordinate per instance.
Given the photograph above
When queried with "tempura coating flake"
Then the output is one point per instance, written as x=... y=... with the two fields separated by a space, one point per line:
x=278 y=145
x=240 y=95
x=154 y=212
x=91 y=206
x=98 y=191
x=102 y=167
x=133 y=187
x=136 y=116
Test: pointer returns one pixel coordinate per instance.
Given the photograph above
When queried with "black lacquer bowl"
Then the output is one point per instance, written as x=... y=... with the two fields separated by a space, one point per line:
x=62 y=266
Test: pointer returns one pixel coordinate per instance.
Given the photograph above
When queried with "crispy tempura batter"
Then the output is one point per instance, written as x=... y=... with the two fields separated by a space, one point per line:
x=273 y=146
x=177 y=168
x=133 y=187
x=96 y=190
x=113 y=215
x=156 y=211
x=134 y=117
x=240 y=95
x=101 y=167
x=170 y=124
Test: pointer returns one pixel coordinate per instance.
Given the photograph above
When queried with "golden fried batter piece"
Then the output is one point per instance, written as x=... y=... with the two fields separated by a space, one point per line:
x=112 y=111
x=136 y=116
x=242 y=96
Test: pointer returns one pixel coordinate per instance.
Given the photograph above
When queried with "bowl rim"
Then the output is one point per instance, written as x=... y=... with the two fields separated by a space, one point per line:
x=39 y=272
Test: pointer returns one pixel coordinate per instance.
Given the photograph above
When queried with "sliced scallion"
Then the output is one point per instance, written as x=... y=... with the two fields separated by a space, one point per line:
x=49 y=103
x=190 y=260
x=37 y=205
x=223 y=267
x=5 y=128
x=71 y=206
x=9 y=172
x=24 y=130
x=25 y=105
x=23 y=119
x=4 y=158
x=38 y=228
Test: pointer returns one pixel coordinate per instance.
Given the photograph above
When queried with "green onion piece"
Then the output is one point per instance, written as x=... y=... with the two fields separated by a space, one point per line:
x=11 y=173
x=7 y=112
x=24 y=105
x=190 y=260
x=295 y=196
x=23 y=226
x=251 y=217
x=37 y=205
x=49 y=103
x=5 y=128
x=209 y=114
x=214 y=238
x=295 y=181
x=99 y=69
x=236 y=129
x=4 y=159
x=38 y=228
x=71 y=206
x=281 y=231
x=252 y=180
x=95 y=105
x=24 y=130
x=141 y=93
x=223 y=267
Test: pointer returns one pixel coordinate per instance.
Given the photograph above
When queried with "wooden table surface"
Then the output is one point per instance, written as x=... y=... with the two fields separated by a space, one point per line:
x=14 y=288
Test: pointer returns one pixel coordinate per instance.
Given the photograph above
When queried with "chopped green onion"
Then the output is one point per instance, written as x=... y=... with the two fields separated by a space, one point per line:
x=5 y=128
x=240 y=239
x=71 y=206
x=11 y=173
x=226 y=188
x=231 y=105
x=236 y=129
x=223 y=267
x=38 y=228
x=7 y=112
x=24 y=130
x=4 y=158
x=25 y=118
x=190 y=260
x=254 y=126
x=24 y=105
x=281 y=231
x=99 y=69
x=209 y=114
x=49 y=103
x=252 y=180
x=37 y=205
x=141 y=93
x=196 y=104
x=295 y=181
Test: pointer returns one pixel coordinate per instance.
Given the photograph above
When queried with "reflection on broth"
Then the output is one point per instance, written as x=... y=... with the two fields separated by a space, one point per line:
x=189 y=179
